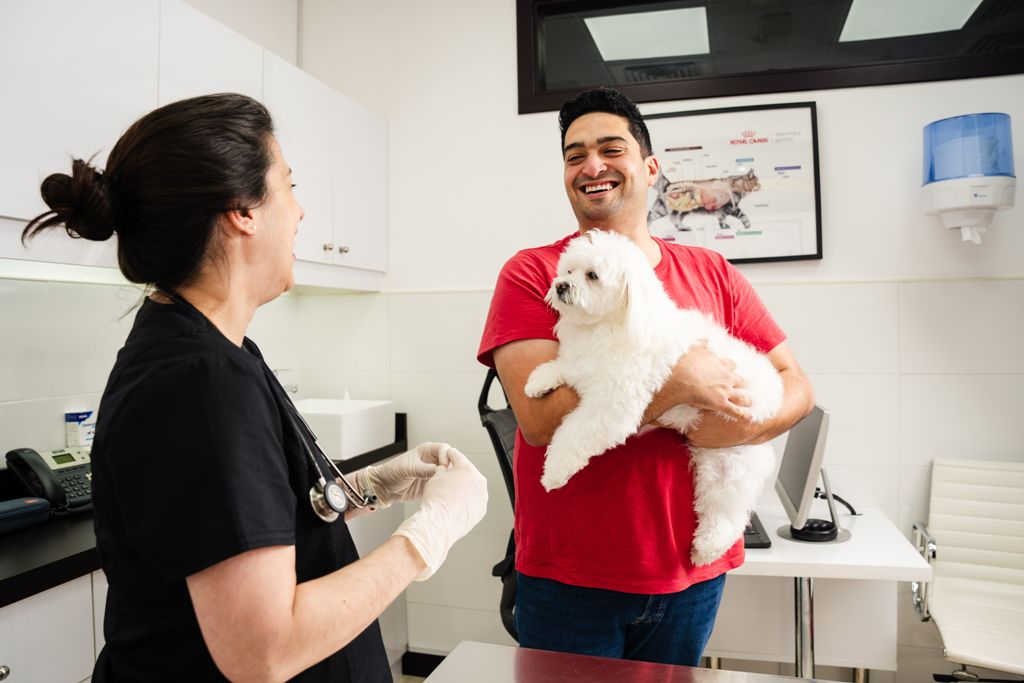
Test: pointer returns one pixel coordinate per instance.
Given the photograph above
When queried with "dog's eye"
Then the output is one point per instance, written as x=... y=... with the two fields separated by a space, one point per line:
x=591 y=275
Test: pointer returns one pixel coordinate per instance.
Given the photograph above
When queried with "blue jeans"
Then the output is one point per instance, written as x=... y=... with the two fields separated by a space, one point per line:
x=670 y=629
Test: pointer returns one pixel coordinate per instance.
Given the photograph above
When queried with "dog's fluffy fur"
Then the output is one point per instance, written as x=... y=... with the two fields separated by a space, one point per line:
x=620 y=335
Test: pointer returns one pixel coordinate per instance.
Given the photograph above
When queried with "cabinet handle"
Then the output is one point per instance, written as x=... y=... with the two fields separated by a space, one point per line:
x=5 y=671
x=329 y=247
x=343 y=250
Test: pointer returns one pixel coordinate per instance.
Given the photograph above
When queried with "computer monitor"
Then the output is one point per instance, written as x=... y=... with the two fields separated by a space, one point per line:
x=798 y=478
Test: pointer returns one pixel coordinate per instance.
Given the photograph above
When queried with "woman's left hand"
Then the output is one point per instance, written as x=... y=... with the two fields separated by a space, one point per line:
x=404 y=476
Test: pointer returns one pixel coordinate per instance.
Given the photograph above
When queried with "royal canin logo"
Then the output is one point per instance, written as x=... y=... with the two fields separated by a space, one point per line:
x=748 y=137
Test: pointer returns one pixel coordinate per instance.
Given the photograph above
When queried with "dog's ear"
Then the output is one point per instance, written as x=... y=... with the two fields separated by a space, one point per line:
x=642 y=293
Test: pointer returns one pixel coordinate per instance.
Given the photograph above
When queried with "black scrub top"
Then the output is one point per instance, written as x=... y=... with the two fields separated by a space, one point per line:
x=194 y=462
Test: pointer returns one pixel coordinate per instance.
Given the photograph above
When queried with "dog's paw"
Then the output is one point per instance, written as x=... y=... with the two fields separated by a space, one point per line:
x=544 y=379
x=703 y=553
x=552 y=480
x=534 y=388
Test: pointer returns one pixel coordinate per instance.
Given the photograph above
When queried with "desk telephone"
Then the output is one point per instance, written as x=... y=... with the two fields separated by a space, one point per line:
x=63 y=477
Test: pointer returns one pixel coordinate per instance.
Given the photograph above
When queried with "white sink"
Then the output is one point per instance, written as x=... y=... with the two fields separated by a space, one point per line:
x=347 y=427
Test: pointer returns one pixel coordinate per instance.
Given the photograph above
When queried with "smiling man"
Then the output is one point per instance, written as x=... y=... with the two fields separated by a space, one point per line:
x=603 y=562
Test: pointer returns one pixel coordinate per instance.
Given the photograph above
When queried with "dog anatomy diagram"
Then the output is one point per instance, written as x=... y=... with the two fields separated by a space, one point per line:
x=741 y=183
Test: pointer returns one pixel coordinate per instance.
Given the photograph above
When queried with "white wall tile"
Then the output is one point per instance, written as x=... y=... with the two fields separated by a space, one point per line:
x=915 y=490
x=435 y=629
x=866 y=486
x=24 y=368
x=499 y=517
x=464 y=580
x=442 y=407
x=864 y=418
x=437 y=332
x=960 y=416
x=275 y=329
x=334 y=383
x=89 y=324
x=344 y=332
x=29 y=424
x=838 y=328
x=962 y=327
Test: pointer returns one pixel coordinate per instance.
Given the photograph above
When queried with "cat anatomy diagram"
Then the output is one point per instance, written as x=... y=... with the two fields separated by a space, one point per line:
x=741 y=183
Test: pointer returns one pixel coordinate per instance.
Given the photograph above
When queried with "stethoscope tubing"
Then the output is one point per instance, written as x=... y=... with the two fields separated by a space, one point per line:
x=322 y=493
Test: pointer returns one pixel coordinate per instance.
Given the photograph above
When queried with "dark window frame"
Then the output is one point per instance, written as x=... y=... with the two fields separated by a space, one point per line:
x=532 y=100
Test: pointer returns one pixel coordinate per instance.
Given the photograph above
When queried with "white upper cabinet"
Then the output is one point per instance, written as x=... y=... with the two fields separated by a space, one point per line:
x=74 y=76
x=302 y=108
x=199 y=56
x=360 y=187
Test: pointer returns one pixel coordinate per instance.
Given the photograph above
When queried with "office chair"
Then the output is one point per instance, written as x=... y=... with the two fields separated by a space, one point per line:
x=501 y=427
x=975 y=543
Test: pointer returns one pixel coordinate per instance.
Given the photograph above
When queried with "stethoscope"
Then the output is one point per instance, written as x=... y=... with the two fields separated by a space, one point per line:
x=329 y=495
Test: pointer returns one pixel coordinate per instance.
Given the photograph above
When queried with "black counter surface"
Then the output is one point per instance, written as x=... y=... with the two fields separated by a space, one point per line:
x=46 y=555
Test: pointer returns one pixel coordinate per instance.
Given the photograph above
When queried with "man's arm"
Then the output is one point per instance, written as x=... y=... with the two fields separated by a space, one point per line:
x=538 y=418
x=700 y=378
x=715 y=431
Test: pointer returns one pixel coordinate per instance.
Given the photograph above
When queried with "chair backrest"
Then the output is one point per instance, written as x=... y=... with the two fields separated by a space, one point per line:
x=976 y=514
x=501 y=427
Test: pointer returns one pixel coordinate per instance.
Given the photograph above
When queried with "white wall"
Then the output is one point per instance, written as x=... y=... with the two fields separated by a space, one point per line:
x=908 y=334
x=472 y=181
x=274 y=24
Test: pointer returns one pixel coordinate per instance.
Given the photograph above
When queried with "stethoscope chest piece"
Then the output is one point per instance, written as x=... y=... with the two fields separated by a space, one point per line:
x=328 y=500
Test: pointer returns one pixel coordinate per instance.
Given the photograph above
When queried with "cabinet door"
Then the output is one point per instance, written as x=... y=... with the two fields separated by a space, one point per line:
x=303 y=109
x=360 y=187
x=75 y=75
x=48 y=637
x=199 y=56
x=99 y=608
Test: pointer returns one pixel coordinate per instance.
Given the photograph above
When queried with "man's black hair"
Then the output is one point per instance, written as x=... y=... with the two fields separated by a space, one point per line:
x=609 y=101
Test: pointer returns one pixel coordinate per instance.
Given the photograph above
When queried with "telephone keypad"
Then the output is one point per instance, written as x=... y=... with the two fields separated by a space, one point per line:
x=77 y=482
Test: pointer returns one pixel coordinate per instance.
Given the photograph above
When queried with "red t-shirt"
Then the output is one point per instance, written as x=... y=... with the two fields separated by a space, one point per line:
x=625 y=522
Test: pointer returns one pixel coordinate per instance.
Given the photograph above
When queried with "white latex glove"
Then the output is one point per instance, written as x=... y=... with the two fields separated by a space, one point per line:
x=454 y=500
x=404 y=476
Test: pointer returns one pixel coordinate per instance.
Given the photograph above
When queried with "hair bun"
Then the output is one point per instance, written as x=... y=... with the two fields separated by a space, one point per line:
x=80 y=201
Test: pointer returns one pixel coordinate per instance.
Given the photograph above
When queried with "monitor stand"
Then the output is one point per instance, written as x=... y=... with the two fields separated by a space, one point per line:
x=819 y=530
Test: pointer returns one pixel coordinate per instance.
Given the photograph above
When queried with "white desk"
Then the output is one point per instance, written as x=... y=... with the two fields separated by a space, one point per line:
x=855 y=594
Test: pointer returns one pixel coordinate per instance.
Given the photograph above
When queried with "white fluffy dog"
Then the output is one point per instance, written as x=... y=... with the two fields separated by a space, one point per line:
x=619 y=336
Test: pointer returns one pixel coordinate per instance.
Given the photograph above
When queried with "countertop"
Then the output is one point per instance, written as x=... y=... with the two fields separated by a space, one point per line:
x=46 y=555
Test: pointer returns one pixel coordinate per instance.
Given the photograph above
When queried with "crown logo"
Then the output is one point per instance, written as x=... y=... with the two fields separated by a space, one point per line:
x=748 y=133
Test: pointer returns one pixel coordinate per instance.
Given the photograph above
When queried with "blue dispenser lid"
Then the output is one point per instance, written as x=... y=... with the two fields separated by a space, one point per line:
x=968 y=146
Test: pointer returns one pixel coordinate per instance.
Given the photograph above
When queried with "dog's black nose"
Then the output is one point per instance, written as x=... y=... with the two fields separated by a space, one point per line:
x=561 y=288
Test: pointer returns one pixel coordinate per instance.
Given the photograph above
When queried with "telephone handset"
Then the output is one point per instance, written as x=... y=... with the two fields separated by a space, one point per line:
x=63 y=476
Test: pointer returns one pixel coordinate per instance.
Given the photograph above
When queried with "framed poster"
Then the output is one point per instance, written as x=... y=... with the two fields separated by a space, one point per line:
x=741 y=181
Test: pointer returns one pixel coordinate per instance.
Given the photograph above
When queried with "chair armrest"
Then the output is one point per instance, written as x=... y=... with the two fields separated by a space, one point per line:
x=920 y=590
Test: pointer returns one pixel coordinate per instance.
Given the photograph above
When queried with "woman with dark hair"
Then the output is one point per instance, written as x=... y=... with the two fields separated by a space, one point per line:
x=213 y=506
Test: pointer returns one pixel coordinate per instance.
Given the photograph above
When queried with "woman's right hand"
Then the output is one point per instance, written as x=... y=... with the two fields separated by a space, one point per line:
x=454 y=500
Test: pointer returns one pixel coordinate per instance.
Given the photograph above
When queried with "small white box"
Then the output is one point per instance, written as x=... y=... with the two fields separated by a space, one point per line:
x=346 y=428
x=79 y=428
